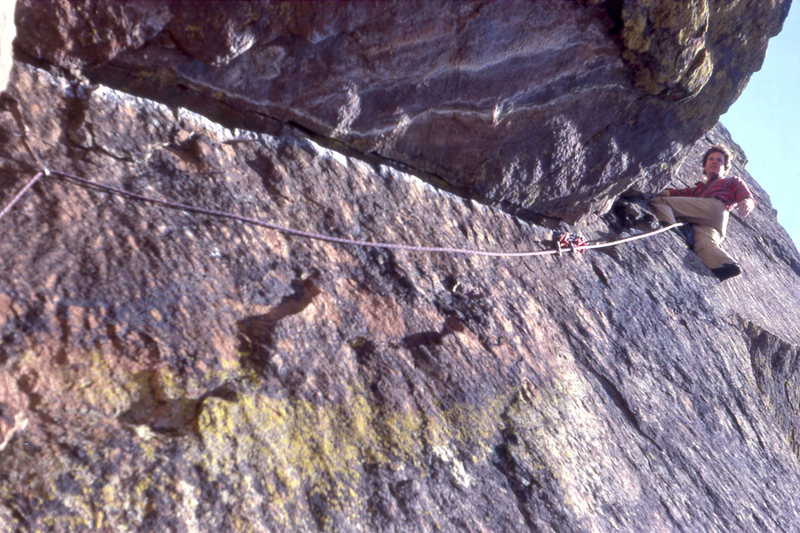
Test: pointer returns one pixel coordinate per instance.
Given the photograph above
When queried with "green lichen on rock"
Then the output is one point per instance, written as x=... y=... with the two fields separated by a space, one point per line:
x=292 y=451
x=665 y=43
x=302 y=448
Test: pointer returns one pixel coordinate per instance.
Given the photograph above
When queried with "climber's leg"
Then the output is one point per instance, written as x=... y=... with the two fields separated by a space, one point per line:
x=708 y=246
x=703 y=211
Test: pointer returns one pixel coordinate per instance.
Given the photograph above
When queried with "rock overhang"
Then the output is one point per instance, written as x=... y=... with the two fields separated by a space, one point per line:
x=545 y=109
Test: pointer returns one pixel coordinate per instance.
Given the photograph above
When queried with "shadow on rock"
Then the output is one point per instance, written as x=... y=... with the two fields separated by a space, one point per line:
x=256 y=332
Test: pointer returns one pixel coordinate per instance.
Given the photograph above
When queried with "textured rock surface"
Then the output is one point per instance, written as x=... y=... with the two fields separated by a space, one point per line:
x=549 y=108
x=166 y=371
x=652 y=29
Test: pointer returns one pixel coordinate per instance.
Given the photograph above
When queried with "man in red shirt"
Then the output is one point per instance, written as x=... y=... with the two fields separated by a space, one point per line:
x=705 y=206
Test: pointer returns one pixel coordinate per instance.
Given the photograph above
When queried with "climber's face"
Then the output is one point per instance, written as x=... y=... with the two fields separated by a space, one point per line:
x=715 y=165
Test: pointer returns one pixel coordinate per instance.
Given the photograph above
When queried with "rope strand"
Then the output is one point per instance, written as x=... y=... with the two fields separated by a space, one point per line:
x=319 y=236
x=21 y=193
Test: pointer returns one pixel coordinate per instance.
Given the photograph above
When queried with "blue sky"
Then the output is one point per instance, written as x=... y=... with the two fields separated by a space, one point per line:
x=765 y=122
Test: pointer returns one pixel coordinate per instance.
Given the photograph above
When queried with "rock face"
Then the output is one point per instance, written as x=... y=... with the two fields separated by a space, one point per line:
x=161 y=370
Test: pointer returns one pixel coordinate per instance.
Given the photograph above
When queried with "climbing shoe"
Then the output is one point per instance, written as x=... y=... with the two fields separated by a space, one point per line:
x=727 y=271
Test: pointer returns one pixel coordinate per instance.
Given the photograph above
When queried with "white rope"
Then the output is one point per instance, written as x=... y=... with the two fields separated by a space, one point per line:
x=329 y=238
x=631 y=238
x=342 y=240
x=20 y=194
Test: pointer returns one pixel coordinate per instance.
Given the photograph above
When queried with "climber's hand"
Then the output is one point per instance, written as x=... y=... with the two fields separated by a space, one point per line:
x=745 y=207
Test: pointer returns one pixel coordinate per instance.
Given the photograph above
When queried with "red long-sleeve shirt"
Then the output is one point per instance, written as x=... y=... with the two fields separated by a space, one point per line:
x=730 y=191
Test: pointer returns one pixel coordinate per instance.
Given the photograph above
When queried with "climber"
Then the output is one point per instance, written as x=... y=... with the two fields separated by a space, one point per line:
x=705 y=208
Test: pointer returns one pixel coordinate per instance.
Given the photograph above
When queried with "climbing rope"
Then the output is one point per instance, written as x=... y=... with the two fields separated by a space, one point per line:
x=574 y=243
x=20 y=194
x=12 y=105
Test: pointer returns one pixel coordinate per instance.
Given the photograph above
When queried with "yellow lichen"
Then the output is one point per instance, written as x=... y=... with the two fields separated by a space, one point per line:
x=194 y=30
x=323 y=448
x=295 y=448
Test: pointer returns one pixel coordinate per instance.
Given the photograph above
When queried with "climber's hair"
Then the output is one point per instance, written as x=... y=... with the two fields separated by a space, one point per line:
x=720 y=149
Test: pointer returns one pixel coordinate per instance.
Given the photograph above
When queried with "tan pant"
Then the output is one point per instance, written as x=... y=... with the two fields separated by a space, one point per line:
x=709 y=218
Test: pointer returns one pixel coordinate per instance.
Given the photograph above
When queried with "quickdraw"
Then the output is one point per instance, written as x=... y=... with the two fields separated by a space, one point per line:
x=570 y=240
